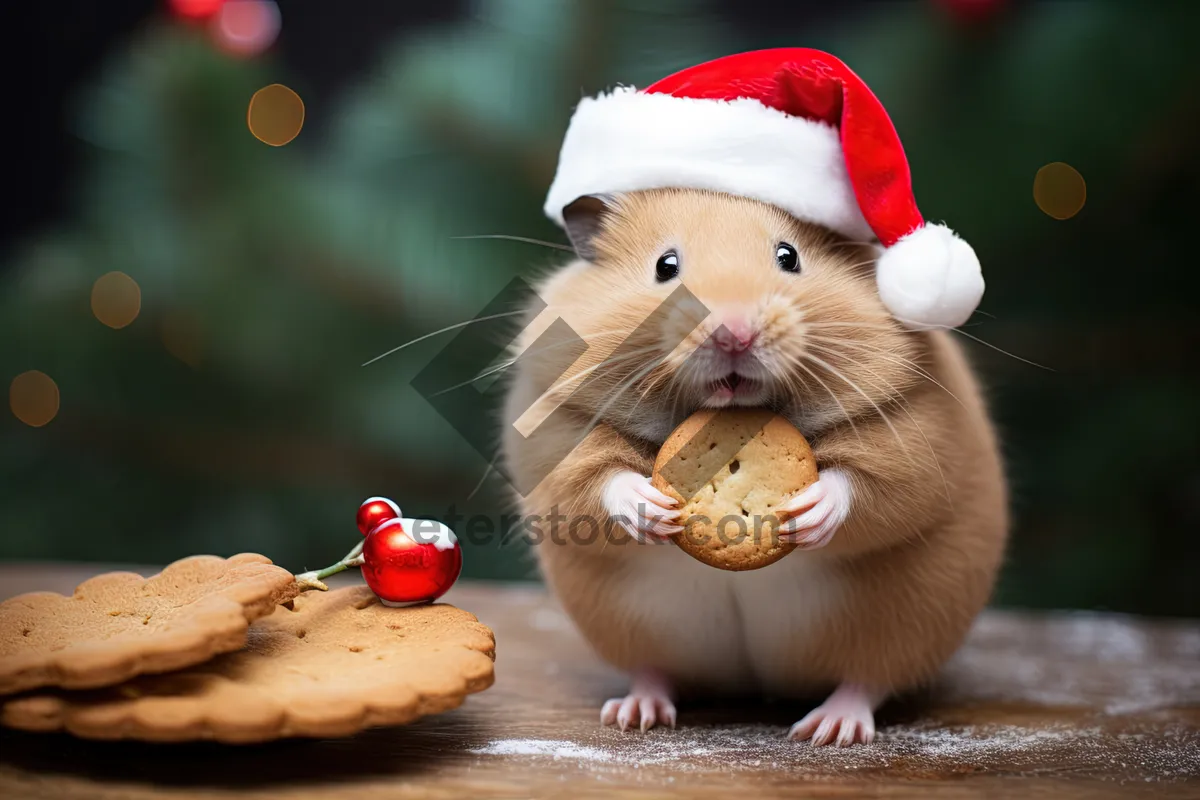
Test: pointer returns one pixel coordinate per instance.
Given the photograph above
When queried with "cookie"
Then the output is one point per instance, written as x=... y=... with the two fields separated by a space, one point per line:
x=337 y=663
x=119 y=624
x=728 y=469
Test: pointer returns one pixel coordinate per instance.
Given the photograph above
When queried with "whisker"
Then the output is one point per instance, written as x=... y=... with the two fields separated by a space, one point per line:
x=820 y=362
x=474 y=378
x=525 y=239
x=800 y=363
x=795 y=380
x=619 y=391
x=676 y=397
x=655 y=380
x=614 y=360
x=486 y=472
x=513 y=361
x=866 y=326
x=509 y=536
x=658 y=379
x=893 y=329
x=1000 y=350
x=904 y=406
x=900 y=361
x=442 y=330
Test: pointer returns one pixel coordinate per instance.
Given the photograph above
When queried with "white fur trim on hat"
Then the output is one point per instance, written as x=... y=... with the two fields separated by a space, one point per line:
x=930 y=278
x=628 y=141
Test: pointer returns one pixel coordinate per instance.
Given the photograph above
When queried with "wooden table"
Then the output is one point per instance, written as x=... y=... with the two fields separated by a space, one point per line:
x=1062 y=705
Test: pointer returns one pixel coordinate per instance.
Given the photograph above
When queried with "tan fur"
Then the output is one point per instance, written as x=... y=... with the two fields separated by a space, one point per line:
x=894 y=593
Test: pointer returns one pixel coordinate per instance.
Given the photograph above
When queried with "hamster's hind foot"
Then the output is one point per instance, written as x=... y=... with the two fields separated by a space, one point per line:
x=648 y=703
x=846 y=717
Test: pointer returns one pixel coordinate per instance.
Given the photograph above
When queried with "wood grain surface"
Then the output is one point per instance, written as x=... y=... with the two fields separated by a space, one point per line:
x=1060 y=705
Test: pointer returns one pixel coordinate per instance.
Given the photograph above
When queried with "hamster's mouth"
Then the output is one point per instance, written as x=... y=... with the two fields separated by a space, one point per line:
x=732 y=389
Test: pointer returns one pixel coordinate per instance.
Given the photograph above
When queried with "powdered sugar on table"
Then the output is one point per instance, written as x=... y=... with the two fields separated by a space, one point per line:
x=1005 y=748
x=1076 y=693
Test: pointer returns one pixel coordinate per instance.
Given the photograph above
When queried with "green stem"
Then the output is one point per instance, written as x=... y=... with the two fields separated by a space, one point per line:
x=313 y=578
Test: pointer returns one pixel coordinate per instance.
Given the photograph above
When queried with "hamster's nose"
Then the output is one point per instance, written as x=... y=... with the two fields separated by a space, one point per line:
x=734 y=335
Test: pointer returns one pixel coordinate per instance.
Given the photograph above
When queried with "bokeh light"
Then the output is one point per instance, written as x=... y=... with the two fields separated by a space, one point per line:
x=116 y=299
x=181 y=337
x=196 y=9
x=1059 y=190
x=276 y=115
x=33 y=398
x=246 y=27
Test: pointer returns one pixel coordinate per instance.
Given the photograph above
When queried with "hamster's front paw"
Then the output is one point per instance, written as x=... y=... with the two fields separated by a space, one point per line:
x=812 y=517
x=644 y=512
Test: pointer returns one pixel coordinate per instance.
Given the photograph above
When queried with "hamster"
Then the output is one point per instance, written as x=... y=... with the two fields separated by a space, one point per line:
x=899 y=541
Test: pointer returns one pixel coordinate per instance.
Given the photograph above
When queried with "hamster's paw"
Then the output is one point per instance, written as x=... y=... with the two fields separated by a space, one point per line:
x=644 y=512
x=812 y=517
x=648 y=703
x=846 y=717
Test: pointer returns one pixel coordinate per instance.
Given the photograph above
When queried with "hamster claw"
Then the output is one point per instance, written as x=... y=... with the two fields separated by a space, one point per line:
x=647 y=490
x=645 y=712
x=639 y=508
x=814 y=516
x=803 y=501
x=846 y=717
x=647 y=704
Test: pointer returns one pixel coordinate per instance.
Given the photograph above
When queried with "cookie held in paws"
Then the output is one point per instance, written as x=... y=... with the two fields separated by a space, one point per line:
x=729 y=469
x=119 y=624
x=336 y=664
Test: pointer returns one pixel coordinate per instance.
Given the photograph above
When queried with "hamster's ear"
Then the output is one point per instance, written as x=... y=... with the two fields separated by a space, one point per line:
x=583 y=220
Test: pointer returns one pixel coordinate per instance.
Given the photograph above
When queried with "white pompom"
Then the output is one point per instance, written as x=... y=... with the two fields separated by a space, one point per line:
x=930 y=279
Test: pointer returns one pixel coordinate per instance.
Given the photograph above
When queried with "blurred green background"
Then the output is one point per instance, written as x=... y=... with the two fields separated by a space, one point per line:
x=234 y=414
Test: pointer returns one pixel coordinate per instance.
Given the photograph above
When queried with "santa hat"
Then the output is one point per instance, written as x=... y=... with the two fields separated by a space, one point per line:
x=792 y=127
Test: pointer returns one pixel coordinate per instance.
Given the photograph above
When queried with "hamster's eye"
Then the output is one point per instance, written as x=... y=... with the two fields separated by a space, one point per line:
x=667 y=266
x=786 y=258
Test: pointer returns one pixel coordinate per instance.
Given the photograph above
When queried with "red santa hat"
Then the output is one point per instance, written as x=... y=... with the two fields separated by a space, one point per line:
x=792 y=127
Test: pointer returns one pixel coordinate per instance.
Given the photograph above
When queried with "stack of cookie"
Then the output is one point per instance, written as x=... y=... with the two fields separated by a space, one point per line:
x=229 y=650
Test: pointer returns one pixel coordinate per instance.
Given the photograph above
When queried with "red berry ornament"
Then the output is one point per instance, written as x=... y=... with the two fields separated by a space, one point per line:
x=410 y=561
x=374 y=511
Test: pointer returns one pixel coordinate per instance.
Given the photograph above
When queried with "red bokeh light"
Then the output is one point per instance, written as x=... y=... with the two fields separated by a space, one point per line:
x=246 y=27
x=195 y=9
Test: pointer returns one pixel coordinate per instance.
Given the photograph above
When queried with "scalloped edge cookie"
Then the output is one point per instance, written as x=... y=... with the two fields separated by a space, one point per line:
x=119 y=624
x=338 y=663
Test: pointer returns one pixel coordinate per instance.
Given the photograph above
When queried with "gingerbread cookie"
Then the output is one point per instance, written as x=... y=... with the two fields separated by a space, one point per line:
x=728 y=469
x=337 y=663
x=119 y=624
